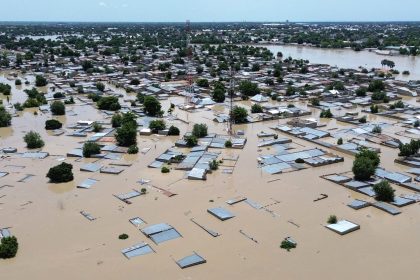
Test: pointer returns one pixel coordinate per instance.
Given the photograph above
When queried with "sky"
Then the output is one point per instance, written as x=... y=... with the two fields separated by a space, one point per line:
x=210 y=10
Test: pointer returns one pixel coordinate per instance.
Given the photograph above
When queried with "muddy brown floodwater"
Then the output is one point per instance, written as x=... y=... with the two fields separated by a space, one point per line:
x=57 y=242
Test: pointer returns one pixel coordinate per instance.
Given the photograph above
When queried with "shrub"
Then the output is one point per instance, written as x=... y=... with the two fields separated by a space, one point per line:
x=373 y=156
x=8 y=247
x=123 y=236
x=61 y=173
x=95 y=97
x=332 y=219
x=58 y=95
x=97 y=127
x=256 y=108
x=173 y=131
x=409 y=149
x=219 y=95
x=239 y=114
x=406 y=72
x=200 y=130
x=361 y=91
x=109 y=103
x=126 y=135
x=5 y=89
x=18 y=82
x=40 y=81
x=165 y=169
x=133 y=149
x=151 y=106
x=363 y=119
x=378 y=96
x=91 y=148
x=100 y=86
x=374 y=109
x=157 y=125
x=376 y=86
x=191 y=141
x=18 y=106
x=363 y=168
x=315 y=102
x=143 y=190
x=384 y=191
x=116 y=120
x=287 y=245
x=33 y=140
x=377 y=129
x=58 y=108
x=299 y=160
x=53 y=124
x=214 y=165
x=228 y=144
x=326 y=114
x=5 y=117
x=340 y=141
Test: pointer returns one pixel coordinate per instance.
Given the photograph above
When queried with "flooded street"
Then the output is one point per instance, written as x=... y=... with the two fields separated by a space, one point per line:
x=57 y=242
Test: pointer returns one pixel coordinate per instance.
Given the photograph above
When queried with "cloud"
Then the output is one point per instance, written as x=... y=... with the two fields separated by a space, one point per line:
x=103 y=4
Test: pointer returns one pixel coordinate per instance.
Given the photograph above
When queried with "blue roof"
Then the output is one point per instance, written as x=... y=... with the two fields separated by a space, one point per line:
x=191 y=260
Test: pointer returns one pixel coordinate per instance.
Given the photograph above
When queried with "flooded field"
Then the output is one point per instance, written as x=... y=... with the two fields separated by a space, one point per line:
x=56 y=241
x=346 y=58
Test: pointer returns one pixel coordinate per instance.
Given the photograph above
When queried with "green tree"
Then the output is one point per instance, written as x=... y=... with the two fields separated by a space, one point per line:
x=100 y=86
x=8 y=247
x=116 y=120
x=218 y=95
x=53 y=124
x=384 y=191
x=363 y=168
x=256 y=108
x=239 y=114
x=58 y=108
x=126 y=135
x=203 y=83
x=152 y=106
x=173 y=130
x=109 y=103
x=157 y=125
x=5 y=117
x=40 y=81
x=200 y=130
x=248 y=88
x=61 y=173
x=33 y=140
x=91 y=148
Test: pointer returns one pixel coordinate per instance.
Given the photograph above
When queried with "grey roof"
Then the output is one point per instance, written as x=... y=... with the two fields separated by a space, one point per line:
x=367 y=191
x=128 y=195
x=38 y=155
x=358 y=204
x=221 y=213
x=136 y=221
x=402 y=201
x=137 y=250
x=111 y=170
x=150 y=230
x=90 y=167
x=191 y=260
x=337 y=178
x=356 y=184
x=86 y=184
x=386 y=207
x=161 y=232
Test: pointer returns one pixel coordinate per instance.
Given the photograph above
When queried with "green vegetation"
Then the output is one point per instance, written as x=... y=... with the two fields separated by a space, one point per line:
x=116 y=120
x=199 y=130
x=133 y=149
x=5 y=89
x=109 y=103
x=53 y=124
x=377 y=129
x=300 y=160
x=365 y=164
x=173 y=131
x=33 y=140
x=18 y=82
x=248 y=88
x=191 y=141
x=40 y=81
x=97 y=127
x=152 y=106
x=326 y=114
x=35 y=98
x=91 y=148
x=384 y=191
x=100 y=87
x=157 y=125
x=239 y=114
x=374 y=109
x=340 y=141
x=8 y=247
x=123 y=236
x=126 y=135
x=256 y=108
x=315 y=102
x=5 y=117
x=165 y=169
x=409 y=149
x=214 y=165
x=219 y=91
x=61 y=173
x=376 y=86
x=58 y=108
x=287 y=245
x=332 y=219
x=228 y=144
x=363 y=119
x=361 y=92
x=203 y=83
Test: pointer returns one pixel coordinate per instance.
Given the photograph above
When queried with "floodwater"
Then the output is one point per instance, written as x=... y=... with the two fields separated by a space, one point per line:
x=57 y=242
x=347 y=58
